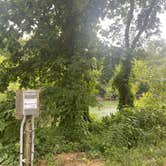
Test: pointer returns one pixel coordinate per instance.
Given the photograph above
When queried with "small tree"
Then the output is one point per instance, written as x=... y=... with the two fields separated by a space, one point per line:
x=132 y=21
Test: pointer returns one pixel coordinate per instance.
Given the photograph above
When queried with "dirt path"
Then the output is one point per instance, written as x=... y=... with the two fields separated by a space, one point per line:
x=73 y=159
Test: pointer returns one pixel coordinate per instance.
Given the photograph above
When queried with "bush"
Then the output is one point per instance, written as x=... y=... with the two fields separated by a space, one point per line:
x=126 y=130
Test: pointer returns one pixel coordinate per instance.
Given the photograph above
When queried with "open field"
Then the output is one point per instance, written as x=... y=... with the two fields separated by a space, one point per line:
x=104 y=108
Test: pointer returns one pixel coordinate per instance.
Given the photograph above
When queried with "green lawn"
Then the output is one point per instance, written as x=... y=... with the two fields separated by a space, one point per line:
x=104 y=108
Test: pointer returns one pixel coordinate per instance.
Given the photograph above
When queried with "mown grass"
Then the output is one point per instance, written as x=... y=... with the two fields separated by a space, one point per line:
x=103 y=108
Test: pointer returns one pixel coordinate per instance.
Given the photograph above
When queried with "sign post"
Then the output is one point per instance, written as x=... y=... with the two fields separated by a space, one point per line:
x=28 y=141
x=27 y=109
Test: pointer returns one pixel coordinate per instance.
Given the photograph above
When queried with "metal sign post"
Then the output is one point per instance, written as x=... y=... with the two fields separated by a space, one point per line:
x=27 y=108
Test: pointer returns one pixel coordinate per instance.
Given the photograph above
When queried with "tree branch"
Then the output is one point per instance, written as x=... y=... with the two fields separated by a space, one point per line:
x=145 y=23
x=129 y=19
x=2 y=161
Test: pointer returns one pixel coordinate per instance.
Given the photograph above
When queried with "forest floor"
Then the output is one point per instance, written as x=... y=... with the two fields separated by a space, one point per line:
x=73 y=159
x=76 y=159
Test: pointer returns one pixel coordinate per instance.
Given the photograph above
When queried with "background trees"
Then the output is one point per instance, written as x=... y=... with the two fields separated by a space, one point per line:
x=132 y=22
x=150 y=71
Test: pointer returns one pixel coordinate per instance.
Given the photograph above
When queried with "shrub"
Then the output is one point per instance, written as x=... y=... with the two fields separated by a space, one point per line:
x=126 y=130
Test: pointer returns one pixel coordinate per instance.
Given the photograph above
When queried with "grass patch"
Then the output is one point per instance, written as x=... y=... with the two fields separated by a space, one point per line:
x=104 y=108
x=142 y=155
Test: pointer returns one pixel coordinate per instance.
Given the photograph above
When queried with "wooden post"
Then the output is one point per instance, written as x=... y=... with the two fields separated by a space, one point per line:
x=27 y=108
x=28 y=141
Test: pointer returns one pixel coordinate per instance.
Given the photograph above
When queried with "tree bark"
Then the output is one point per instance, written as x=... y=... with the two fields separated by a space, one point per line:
x=122 y=83
x=129 y=20
x=28 y=141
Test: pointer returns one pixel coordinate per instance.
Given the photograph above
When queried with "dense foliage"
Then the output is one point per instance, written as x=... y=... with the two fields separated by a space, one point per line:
x=57 y=56
x=52 y=45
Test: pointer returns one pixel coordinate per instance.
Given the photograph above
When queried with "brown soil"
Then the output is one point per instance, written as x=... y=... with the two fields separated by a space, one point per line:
x=73 y=159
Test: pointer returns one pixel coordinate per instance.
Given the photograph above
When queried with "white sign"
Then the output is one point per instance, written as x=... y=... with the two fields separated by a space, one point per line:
x=29 y=102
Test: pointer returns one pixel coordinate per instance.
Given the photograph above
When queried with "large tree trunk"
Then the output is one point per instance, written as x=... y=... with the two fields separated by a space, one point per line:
x=122 y=83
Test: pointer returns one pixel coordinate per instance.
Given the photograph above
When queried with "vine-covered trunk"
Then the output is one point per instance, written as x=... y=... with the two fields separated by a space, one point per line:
x=122 y=83
x=74 y=115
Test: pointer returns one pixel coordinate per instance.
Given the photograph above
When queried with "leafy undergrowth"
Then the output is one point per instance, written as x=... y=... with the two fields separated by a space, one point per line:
x=128 y=138
x=140 y=156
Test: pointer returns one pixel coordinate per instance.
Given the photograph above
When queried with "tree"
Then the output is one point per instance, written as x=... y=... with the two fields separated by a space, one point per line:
x=150 y=70
x=58 y=55
x=139 y=20
x=110 y=58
